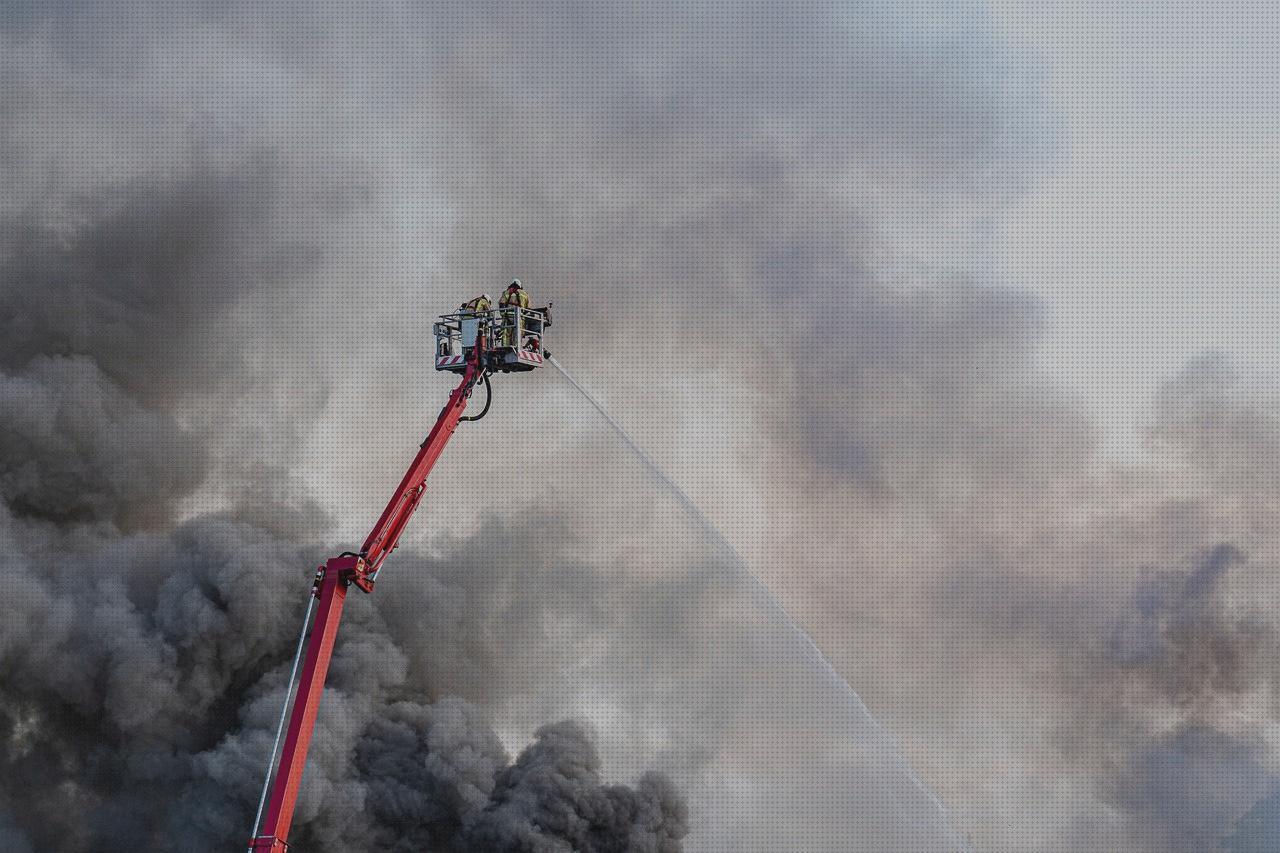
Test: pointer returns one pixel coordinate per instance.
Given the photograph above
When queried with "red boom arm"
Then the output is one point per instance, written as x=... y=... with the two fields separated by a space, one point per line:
x=332 y=581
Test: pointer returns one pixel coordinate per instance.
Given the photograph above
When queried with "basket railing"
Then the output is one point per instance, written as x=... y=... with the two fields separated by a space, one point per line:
x=507 y=328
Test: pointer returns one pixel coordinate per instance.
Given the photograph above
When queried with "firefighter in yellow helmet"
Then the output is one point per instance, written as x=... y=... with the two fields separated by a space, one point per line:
x=478 y=305
x=513 y=299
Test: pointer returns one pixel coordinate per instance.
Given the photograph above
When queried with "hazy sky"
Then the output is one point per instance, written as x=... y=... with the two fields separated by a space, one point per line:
x=1154 y=233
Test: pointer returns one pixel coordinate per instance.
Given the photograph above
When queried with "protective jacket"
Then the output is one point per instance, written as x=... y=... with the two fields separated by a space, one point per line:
x=514 y=299
x=477 y=305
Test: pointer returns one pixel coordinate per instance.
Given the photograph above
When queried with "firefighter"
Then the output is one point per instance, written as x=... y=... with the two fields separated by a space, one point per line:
x=514 y=299
x=479 y=305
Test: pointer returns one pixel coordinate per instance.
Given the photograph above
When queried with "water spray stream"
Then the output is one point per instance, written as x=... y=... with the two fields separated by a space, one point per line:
x=762 y=594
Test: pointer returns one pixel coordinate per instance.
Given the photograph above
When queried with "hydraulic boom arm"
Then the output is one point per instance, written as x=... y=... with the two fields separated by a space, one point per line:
x=331 y=584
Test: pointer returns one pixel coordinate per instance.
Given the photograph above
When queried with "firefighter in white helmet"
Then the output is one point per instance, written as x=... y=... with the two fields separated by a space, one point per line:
x=513 y=300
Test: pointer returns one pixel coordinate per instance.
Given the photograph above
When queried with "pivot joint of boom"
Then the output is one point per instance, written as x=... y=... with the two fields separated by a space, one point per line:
x=351 y=569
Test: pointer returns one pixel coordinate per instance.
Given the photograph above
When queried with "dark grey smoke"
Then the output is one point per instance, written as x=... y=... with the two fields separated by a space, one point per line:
x=1155 y=662
x=552 y=801
x=429 y=801
x=768 y=230
x=438 y=779
x=15 y=840
x=76 y=446
x=143 y=656
x=140 y=275
x=155 y=664
x=1177 y=781
x=142 y=670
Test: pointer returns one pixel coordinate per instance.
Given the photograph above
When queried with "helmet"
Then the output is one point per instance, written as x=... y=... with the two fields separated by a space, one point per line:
x=515 y=285
x=486 y=297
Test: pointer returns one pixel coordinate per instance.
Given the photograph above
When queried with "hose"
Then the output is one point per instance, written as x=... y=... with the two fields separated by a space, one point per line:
x=488 y=400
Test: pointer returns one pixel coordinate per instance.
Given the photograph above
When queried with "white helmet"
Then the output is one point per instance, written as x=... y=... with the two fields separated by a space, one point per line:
x=515 y=282
x=486 y=297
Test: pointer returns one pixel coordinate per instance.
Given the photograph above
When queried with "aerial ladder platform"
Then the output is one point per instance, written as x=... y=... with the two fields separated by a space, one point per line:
x=474 y=345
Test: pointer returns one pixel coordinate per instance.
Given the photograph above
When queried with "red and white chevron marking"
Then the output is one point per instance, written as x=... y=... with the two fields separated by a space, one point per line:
x=450 y=360
x=532 y=357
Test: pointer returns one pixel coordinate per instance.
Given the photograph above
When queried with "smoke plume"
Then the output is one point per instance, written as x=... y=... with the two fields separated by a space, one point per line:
x=768 y=232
